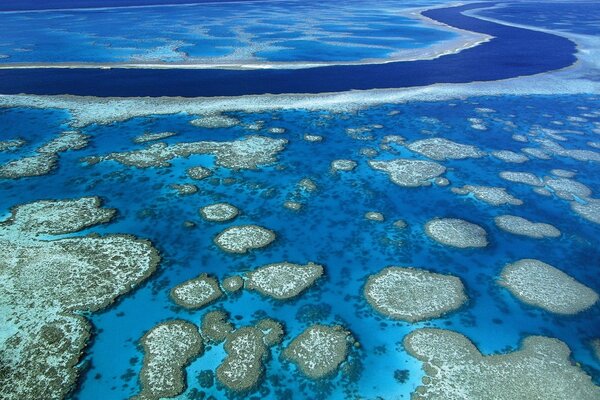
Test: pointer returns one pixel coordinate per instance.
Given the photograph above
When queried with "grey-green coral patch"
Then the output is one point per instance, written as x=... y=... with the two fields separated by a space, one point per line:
x=199 y=173
x=510 y=156
x=246 y=153
x=589 y=210
x=374 y=216
x=168 y=348
x=247 y=350
x=36 y=165
x=343 y=165
x=456 y=232
x=522 y=177
x=567 y=189
x=319 y=350
x=542 y=285
x=313 y=138
x=307 y=184
x=412 y=294
x=443 y=149
x=272 y=331
x=212 y=121
x=10 y=145
x=562 y=173
x=219 y=212
x=150 y=137
x=409 y=173
x=242 y=238
x=293 y=205
x=521 y=226
x=456 y=370
x=56 y=217
x=197 y=293
x=70 y=140
x=232 y=284
x=184 y=189
x=283 y=280
x=216 y=326
x=536 y=153
x=495 y=196
x=46 y=286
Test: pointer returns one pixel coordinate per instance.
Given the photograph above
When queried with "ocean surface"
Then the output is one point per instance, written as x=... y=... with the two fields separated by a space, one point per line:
x=331 y=228
x=513 y=52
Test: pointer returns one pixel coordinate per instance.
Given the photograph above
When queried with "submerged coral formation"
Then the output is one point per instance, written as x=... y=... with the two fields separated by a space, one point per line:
x=456 y=370
x=197 y=293
x=494 y=196
x=542 y=285
x=440 y=149
x=46 y=158
x=246 y=153
x=343 y=165
x=409 y=173
x=47 y=284
x=215 y=121
x=11 y=144
x=216 y=326
x=521 y=226
x=247 y=350
x=412 y=294
x=283 y=280
x=319 y=350
x=150 y=137
x=456 y=232
x=219 y=212
x=199 y=172
x=242 y=238
x=510 y=156
x=168 y=348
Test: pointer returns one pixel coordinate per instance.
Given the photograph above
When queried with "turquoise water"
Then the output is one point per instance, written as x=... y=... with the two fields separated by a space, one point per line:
x=330 y=230
x=246 y=31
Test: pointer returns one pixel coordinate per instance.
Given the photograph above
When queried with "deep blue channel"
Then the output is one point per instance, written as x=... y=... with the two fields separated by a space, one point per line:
x=513 y=52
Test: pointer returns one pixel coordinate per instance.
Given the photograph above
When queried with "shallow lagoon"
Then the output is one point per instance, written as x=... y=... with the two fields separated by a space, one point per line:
x=199 y=33
x=331 y=230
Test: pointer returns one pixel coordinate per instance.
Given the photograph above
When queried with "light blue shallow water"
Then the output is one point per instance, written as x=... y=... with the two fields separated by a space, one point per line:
x=246 y=31
x=330 y=230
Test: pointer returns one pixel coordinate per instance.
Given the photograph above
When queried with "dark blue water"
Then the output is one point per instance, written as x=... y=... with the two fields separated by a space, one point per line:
x=579 y=17
x=513 y=52
x=330 y=230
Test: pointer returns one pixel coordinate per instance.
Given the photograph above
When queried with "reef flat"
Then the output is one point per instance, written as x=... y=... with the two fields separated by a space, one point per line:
x=197 y=293
x=440 y=149
x=247 y=350
x=456 y=232
x=284 y=280
x=215 y=121
x=45 y=158
x=521 y=226
x=219 y=212
x=412 y=294
x=242 y=238
x=247 y=153
x=494 y=196
x=168 y=348
x=542 y=285
x=455 y=369
x=319 y=350
x=150 y=137
x=409 y=173
x=48 y=282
